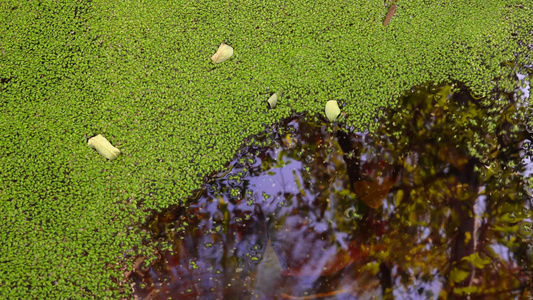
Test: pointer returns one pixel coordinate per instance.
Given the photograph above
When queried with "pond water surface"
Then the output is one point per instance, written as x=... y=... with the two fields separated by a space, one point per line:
x=432 y=205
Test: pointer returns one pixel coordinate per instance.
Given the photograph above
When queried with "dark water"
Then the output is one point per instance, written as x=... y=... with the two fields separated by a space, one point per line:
x=433 y=205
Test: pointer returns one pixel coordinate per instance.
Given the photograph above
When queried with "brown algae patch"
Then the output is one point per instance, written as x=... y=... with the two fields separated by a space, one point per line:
x=427 y=206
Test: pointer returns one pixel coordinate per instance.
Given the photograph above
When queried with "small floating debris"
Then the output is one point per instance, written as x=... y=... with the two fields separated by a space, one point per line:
x=223 y=53
x=104 y=147
x=390 y=14
x=332 y=110
x=273 y=99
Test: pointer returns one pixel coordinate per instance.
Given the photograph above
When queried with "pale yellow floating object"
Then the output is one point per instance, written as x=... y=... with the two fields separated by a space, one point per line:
x=223 y=53
x=332 y=110
x=104 y=147
x=274 y=99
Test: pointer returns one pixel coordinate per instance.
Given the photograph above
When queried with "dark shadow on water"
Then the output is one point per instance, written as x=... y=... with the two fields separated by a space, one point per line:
x=433 y=204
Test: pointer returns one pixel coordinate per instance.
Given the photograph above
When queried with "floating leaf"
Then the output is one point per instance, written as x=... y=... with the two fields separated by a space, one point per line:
x=223 y=53
x=332 y=110
x=102 y=145
x=390 y=14
x=273 y=100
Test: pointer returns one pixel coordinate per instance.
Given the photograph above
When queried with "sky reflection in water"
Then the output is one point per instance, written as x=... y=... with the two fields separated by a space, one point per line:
x=429 y=206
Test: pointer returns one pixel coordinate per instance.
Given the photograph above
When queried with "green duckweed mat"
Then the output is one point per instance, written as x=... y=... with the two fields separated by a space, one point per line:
x=140 y=74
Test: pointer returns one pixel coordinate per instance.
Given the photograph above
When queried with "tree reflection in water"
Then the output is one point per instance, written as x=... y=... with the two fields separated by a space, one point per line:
x=430 y=205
